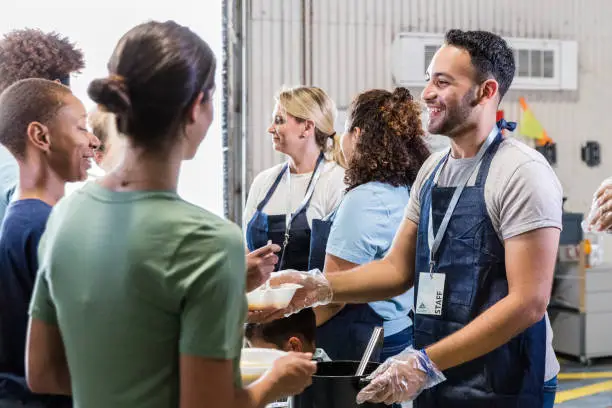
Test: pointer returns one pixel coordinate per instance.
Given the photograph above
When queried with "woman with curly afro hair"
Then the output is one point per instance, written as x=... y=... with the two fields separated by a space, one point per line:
x=384 y=149
x=31 y=53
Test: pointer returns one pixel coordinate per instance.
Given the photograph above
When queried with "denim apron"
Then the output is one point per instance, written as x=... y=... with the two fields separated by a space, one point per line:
x=290 y=231
x=346 y=335
x=471 y=258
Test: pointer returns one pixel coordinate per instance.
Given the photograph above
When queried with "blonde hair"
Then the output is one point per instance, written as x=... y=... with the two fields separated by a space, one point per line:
x=312 y=103
x=104 y=125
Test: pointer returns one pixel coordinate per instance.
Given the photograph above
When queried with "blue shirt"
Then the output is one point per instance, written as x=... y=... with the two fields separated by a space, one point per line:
x=23 y=225
x=9 y=175
x=363 y=231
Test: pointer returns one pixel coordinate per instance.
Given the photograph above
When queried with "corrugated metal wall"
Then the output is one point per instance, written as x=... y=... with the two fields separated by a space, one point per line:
x=351 y=42
x=275 y=60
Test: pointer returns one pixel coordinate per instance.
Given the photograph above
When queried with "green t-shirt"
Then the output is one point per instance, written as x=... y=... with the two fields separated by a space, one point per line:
x=134 y=279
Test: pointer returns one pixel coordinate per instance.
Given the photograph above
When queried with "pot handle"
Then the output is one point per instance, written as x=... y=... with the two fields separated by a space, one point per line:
x=363 y=382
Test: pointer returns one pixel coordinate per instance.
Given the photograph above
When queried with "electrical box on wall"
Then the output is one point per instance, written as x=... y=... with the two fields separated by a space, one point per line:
x=549 y=151
x=591 y=154
x=541 y=64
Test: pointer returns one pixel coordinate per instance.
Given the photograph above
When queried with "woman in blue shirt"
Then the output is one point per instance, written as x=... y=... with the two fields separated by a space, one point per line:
x=384 y=147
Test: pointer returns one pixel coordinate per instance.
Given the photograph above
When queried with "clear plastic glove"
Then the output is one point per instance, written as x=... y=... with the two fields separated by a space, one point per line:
x=315 y=291
x=600 y=216
x=401 y=378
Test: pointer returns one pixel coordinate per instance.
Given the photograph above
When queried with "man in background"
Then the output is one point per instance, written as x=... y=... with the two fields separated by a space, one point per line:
x=294 y=333
x=30 y=53
x=43 y=125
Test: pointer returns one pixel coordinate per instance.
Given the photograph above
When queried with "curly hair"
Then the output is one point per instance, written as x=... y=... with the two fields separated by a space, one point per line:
x=30 y=53
x=490 y=54
x=391 y=148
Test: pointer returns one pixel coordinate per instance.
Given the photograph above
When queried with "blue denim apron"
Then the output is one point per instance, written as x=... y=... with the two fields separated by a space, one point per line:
x=295 y=241
x=472 y=259
x=346 y=335
x=318 y=242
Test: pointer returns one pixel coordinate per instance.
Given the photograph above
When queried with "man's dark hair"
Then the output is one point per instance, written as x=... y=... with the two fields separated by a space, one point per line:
x=491 y=56
x=30 y=53
x=302 y=324
x=24 y=102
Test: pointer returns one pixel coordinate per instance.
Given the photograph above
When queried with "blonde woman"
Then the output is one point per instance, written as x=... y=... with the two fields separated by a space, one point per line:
x=288 y=203
x=104 y=125
x=110 y=151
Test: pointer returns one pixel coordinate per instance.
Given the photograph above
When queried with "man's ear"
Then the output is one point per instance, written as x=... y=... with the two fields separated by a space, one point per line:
x=487 y=91
x=38 y=136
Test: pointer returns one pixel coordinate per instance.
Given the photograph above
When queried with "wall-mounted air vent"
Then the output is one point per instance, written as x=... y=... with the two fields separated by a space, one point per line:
x=540 y=64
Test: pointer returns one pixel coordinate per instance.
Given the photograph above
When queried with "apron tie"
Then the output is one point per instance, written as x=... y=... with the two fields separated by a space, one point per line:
x=503 y=124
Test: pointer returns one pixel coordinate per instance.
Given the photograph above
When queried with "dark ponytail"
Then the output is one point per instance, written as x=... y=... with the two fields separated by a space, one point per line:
x=156 y=71
x=112 y=94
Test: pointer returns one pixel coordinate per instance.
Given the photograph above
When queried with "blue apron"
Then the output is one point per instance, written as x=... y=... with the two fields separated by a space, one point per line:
x=318 y=242
x=295 y=241
x=346 y=335
x=472 y=259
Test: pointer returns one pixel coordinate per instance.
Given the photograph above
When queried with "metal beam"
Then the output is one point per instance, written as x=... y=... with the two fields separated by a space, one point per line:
x=234 y=97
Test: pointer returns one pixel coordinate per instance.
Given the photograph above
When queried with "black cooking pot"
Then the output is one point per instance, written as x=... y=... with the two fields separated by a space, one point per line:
x=335 y=385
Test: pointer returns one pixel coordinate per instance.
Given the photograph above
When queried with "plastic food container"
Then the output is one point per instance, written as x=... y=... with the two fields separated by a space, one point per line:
x=254 y=362
x=272 y=298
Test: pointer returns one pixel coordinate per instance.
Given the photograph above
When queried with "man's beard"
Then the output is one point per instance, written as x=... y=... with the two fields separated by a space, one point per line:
x=456 y=117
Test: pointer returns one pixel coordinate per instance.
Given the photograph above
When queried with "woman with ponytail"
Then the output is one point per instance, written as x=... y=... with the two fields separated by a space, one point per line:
x=384 y=149
x=288 y=203
x=143 y=304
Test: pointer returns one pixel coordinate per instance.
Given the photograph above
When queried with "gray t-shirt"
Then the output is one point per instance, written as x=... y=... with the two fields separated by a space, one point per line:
x=9 y=175
x=522 y=193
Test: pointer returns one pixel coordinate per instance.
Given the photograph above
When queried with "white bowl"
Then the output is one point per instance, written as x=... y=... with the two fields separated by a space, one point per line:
x=272 y=298
x=254 y=362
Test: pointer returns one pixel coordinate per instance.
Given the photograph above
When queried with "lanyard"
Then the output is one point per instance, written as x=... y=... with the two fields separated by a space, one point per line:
x=309 y=192
x=434 y=242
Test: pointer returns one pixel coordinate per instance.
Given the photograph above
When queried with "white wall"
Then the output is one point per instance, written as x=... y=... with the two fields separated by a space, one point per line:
x=97 y=26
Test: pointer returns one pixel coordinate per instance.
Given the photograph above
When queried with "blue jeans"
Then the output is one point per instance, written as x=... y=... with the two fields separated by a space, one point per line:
x=550 y=391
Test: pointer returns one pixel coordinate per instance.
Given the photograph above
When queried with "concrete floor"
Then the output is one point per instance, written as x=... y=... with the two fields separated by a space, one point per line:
x=599 y=390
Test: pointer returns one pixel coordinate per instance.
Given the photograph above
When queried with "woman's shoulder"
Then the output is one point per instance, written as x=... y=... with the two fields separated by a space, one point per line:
x=333 y=172
x=267 y=176
x=202 y=231
x=377 y=188
x=366 y=193
x=378 y=194
x=333 y=167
